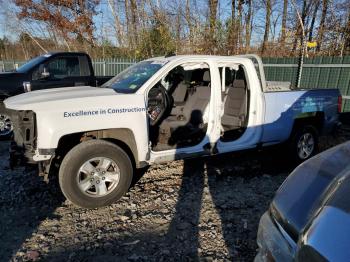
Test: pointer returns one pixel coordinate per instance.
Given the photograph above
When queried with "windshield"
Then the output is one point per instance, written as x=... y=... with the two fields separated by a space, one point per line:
x=30 y=64
x=130 y=80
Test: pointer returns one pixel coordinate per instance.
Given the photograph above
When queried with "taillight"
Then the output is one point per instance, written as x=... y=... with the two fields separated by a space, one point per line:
x=340 y=101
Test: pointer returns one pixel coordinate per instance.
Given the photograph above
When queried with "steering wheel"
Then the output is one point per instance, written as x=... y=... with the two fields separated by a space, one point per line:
x=158 y=103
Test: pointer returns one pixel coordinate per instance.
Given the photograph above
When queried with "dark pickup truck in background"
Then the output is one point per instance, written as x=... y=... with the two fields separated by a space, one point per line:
x=51 y=70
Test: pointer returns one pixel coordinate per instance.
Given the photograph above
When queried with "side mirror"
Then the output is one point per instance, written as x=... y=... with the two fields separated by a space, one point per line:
x=27 y=86
x=45 y=73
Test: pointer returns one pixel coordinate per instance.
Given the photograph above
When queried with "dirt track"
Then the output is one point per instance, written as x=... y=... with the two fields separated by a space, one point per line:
x=205 y=209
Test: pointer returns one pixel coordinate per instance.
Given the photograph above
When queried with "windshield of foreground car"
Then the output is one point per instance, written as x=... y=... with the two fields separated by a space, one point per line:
x=131 y=79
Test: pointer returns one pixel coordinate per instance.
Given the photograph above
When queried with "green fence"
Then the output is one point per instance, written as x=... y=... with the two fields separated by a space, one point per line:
x=112 y=66
x=318 y=72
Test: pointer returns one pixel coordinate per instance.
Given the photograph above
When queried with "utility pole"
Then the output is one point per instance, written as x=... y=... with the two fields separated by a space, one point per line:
x=303 y=46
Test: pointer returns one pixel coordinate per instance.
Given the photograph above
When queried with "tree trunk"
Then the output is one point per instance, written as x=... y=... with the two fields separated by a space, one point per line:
x=267 y=25
x=232 y=38
x=248 y=25
x=239 y=24
x=134 y=24
x=321 y=27
x=314 y=15
x=126 y=6
x=284 y=22
x=189 y=22
x=213 y=6
x=347 y=36
x=113 y=6
x=178 y=29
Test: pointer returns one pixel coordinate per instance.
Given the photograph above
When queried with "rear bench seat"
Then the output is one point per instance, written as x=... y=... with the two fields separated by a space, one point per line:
x=235 y=105
x=198 y=100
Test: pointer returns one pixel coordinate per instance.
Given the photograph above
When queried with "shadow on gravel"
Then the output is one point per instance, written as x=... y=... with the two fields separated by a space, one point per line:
x=229 y=183
x=209 y=174
x=23 y=207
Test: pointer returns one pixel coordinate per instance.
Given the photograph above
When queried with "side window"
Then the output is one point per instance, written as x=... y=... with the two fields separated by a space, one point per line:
x=63 y=67
x=84 y=66
x=37 y=73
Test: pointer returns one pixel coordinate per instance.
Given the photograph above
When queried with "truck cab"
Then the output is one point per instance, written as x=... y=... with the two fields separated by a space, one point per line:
x=51 y=70
x=163 y=109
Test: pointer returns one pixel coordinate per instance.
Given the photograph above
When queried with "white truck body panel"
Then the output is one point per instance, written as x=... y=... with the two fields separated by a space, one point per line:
x=51 y=105
x=53 y=124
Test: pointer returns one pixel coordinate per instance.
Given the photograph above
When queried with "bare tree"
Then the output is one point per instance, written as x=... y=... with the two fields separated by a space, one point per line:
x=232 y=33
x=114 y=7
x=322 y=25
x=267 y=25
x=134 y=23
x=313 y=20
x=239 y=23
x=347 y=35
x=248 y=27
x=284 y=23
x=213 y=6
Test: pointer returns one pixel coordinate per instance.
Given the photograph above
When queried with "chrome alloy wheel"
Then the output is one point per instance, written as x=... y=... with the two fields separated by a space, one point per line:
x=306 y=146
x=5 y=125
x=98 y=177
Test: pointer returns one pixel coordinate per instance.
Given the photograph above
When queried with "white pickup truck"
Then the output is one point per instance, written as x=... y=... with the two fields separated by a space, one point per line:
x=159 y=110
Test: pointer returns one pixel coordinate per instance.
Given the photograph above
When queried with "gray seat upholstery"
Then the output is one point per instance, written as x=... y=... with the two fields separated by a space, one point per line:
x=206 y=76
x=235 y=105
x=180 y=93
x=179 y=96
x=198 y=100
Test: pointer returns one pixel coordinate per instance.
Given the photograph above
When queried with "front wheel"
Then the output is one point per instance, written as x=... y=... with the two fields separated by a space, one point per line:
x=95 y=173
x=304 y=143
x=6 y=126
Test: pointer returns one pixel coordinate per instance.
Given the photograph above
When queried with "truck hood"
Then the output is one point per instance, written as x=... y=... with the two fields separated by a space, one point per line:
x=308 y=188
x=31 y=100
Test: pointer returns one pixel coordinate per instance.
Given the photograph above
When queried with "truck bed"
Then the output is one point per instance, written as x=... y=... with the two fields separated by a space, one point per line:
x=284 y=107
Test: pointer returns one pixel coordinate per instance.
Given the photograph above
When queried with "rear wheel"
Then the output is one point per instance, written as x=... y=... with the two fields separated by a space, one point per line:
x=304 y=143
x=95 y=173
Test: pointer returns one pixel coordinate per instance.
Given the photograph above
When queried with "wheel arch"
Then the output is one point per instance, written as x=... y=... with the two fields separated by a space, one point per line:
x=122 y=137
x=315 y=119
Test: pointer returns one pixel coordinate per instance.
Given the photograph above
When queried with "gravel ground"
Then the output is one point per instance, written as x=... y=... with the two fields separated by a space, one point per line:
x=204 y=209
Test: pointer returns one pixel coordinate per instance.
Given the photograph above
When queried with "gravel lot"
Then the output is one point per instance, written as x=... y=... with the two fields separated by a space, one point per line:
x=205 y=209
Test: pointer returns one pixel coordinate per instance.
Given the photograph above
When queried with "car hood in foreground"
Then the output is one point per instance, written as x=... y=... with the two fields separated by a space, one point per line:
x=30 y=100
x=312 y=186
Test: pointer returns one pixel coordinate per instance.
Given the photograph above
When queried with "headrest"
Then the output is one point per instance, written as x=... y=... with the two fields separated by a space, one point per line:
x=206 y=76
x=238 y=83
x=180 y=93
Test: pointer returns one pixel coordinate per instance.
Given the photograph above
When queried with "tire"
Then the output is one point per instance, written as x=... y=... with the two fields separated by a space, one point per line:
x=88 y=180
x=6 y=126
x=304 y=143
